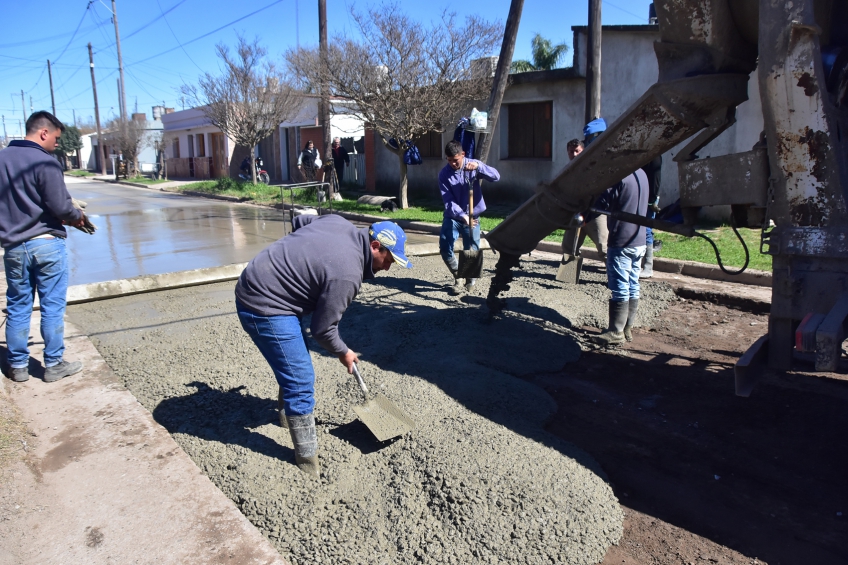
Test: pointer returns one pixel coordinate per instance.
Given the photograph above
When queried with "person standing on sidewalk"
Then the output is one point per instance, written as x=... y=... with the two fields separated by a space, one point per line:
x=34 y=205
x=456 y=179
x=316 y=270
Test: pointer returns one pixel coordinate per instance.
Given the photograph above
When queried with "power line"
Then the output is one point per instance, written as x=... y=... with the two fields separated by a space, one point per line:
x=208 y=33
x=75 y=31
x=175 y=36
x=625 y=11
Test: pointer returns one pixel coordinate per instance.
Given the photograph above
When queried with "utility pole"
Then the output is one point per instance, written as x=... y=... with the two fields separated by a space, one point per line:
x=121 y=107
x=23 y=106
x=501 y=74
x=121 y=62
x=324 y=91
x=75 y=116
x=52 y=98
x=100 y=153
x=31 y=109
x=5 y=136
x=593 y=63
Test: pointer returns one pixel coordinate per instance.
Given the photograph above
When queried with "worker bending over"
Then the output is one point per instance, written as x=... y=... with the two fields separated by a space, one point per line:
x=316 y=270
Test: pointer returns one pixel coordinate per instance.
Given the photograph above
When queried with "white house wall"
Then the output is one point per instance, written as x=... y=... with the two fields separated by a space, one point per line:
x=628 y=68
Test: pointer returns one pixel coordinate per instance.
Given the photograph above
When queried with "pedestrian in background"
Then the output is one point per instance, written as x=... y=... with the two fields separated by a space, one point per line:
x=34 y=207
x=340 y=158
x=308 y=162
x=456 y=180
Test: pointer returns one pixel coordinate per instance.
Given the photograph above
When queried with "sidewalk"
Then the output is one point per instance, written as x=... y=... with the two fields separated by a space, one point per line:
x=103 y=483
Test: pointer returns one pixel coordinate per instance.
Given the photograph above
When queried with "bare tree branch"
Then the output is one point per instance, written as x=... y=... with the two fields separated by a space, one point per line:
x=405 y=79
x=249 y=99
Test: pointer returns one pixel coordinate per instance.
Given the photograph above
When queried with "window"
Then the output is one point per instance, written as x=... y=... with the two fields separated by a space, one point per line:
x=176 y=148
x=201 y=145
x=530 y=130
x=430 y=145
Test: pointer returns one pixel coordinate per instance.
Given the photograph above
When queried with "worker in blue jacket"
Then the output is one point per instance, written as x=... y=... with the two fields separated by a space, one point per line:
x=456 y=179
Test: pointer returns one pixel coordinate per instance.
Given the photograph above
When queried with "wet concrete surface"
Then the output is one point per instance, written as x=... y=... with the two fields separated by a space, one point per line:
x=148 y=232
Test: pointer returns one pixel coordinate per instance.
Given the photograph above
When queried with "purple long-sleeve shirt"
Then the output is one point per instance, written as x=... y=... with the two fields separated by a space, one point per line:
x=454 y=186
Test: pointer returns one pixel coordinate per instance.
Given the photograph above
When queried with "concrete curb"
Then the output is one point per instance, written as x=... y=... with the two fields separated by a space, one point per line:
x=148 y=283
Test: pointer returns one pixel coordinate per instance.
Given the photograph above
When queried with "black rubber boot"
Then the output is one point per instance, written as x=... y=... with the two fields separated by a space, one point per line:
x=631 y=318
x=455 y=289
x=617 y=320
x=305 y=440
x=647 y=263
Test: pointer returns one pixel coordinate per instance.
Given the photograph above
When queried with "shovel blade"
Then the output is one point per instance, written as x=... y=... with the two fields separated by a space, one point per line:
x=569 y=270
x=470 y=265
x=385 y=419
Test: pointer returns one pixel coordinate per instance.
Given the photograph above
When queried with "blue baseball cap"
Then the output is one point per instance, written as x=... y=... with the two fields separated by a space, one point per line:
x=593 y=129
x=390 y=236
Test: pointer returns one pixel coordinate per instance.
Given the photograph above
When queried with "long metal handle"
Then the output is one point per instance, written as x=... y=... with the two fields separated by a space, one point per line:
x=653 y=223
x=359 y=379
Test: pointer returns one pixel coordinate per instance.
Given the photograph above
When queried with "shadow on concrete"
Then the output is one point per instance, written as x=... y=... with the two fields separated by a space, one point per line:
x=223 y=416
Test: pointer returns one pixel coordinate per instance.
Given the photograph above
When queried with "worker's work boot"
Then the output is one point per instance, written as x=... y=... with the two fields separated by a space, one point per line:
x=62 y=370
x=647 y=263
x=283 y=422
x=469 y=284
x=614 y=335
x=19 y=374
x=631 y=318
x=305 y=440
x=455 y=288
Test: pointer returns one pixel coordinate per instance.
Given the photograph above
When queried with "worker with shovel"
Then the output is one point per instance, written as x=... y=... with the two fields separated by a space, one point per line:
x=316 y=270
x=459 y=183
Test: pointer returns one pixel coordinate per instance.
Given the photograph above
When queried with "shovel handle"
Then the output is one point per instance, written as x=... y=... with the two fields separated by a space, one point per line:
x=359 y=380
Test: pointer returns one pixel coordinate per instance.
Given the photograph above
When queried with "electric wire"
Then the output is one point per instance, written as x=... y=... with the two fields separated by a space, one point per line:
x=75 y=31
x=207 y=34
x=175 y=36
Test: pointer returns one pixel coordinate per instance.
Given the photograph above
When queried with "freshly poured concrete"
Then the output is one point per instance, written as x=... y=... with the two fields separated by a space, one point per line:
x=477 y=481
x=147 y=232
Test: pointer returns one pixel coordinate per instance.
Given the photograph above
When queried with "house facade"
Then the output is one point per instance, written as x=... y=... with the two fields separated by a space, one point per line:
x=147 y=157
x=197 y=149
x=543 y=110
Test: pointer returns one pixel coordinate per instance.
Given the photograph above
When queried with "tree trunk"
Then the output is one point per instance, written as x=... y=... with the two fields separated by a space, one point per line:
x=402 y=201
x=253 y=164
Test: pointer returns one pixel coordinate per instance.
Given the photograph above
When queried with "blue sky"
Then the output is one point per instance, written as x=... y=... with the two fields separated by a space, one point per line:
x=166 y=43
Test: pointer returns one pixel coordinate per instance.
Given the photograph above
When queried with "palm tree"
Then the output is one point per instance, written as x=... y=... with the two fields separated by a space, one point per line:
x=546 y=56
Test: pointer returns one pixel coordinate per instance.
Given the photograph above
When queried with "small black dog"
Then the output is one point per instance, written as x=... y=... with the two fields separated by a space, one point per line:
x=388 y=206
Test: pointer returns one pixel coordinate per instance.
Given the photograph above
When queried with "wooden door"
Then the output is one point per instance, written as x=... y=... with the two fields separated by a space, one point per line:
x=219 y=156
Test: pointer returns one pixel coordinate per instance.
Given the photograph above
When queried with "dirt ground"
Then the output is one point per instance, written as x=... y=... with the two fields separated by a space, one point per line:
x=702 y=475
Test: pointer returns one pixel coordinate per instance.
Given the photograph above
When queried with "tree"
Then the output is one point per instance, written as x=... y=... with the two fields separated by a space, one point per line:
x=69 y=143
x=404 y=79
x=546 y=56
x=130 y=138
x=249 y=99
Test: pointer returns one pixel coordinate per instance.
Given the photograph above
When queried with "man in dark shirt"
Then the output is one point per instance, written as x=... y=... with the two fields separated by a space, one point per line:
x=34 y=207
x=340 y=158
x=625 y=249
x=316 y=270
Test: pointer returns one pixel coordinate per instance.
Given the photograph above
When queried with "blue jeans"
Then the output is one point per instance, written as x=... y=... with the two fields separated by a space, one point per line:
x=282 y=342
x=451 y=230
x=623 y=267
x=38 y=265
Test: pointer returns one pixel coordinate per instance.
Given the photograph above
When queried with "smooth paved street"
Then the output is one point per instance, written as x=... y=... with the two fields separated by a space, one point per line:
x=147 y=232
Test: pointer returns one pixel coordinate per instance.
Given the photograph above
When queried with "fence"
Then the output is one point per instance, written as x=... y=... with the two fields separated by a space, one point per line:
x=190 y=167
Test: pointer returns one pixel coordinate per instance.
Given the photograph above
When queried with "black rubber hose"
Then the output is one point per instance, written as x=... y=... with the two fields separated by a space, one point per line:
x=718 y=255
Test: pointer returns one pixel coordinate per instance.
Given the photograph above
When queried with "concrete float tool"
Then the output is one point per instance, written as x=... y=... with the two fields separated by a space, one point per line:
x=470 y=262
x=380 y=415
